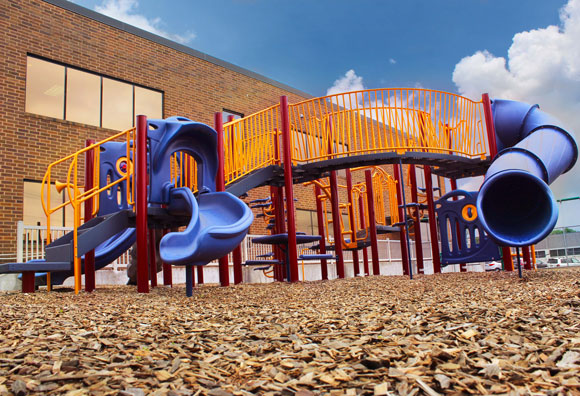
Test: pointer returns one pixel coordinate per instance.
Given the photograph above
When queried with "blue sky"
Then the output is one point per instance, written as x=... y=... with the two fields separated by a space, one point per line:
x=308 y=44
x=513 y=49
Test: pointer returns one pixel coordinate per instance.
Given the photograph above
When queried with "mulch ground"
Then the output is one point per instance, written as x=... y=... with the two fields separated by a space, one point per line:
x=474 y=333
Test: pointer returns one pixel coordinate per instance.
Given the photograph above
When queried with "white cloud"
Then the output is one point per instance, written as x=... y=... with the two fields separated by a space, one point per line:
x=542 y=66
x=126 y=11
x=392 y=61
x=348 y=83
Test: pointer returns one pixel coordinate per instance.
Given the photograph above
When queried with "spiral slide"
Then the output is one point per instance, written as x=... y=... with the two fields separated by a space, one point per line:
x=219 y=221
x=515 y=204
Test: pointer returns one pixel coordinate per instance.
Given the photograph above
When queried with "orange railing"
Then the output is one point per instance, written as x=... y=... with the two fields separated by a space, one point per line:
x=250 y=143
x=184 y=171
x=384 y=187
x=69 y=166
x=382 y=120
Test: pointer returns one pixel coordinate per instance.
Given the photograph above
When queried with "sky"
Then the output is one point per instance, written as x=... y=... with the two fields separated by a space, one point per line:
x=512 y=49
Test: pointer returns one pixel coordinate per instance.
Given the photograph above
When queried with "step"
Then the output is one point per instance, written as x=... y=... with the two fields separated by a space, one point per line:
x=262 y=262
x=316 y=257
x=40 y=266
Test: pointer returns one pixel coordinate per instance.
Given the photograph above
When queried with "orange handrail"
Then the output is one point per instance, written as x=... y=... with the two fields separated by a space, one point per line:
x=76 y=198
x=379 y=120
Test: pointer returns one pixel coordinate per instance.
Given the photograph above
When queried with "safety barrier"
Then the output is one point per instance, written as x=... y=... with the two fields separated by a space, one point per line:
x=386 y=120
x=32 y=240
x=75 y=197
x=251 y=143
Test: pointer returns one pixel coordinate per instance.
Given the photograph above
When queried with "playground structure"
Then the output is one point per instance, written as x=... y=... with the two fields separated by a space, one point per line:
x=147 y=176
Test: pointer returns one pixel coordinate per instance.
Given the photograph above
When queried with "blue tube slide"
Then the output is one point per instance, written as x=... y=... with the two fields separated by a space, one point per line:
x=218 y=223
x=515 y=205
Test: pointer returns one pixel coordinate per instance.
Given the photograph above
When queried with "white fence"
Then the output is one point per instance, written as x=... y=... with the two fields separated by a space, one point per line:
x=32 y=241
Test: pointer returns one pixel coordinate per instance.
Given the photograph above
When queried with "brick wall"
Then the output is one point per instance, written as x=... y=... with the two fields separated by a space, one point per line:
x=192 y=87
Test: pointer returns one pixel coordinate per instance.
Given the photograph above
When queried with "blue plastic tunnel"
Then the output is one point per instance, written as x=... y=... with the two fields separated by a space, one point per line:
x=515 y=204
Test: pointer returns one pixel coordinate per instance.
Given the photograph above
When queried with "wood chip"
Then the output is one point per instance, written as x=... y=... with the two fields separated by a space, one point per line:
x=464 y=333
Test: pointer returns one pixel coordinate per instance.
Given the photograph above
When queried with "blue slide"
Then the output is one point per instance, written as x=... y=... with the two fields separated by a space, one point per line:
x=219 y=221
x=515 y=204
x=105 y=254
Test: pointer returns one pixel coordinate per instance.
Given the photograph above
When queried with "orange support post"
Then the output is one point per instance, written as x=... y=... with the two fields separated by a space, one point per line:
x=141 y=204
x=402 y=236
x=508 y=264
x=220 y=185
x=372 y=223
x=289 y=190
x=321 y=228
x=237 y=253
x=432 y=221
x=417 y=223
x=89 y=184
x=352 y=222
x=363 y=226
x=277 y=198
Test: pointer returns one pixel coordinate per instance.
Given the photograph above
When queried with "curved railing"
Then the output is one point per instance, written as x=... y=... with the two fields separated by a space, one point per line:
x=358 y=123
x=383 y=120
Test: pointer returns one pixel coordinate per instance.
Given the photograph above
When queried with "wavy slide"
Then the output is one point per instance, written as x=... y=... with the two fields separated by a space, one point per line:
x=515 y=204
x=219 y=221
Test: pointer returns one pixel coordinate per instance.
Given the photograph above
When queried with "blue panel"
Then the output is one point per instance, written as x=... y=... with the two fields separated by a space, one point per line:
x=180 y=134
x=450 y=218
x=109 y=156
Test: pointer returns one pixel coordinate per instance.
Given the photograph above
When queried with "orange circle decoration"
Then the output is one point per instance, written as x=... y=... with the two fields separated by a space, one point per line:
x=469 y=212
x=128 y=166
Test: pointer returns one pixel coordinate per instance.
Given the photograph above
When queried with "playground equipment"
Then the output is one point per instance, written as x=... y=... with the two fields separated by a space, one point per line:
x=285 y=144
x=515 y=204
x=463 y=239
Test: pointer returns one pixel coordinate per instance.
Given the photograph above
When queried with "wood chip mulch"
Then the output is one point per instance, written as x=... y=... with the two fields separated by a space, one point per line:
x=457 y=334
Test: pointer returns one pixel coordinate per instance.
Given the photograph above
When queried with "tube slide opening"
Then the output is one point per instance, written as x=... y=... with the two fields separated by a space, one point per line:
x=517 y=208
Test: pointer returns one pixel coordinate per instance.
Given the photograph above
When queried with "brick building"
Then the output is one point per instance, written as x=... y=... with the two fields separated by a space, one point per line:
x=69 y=74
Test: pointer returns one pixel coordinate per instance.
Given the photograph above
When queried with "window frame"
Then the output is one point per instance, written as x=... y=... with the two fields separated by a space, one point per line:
x=101 y=76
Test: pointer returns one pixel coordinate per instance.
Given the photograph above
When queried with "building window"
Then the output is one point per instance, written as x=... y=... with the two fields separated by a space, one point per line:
x=226 y=114
x=117 y=104
x=148 y=102
x=83 y=97
x=306 y=221
x=45 y=88
x=71 y=94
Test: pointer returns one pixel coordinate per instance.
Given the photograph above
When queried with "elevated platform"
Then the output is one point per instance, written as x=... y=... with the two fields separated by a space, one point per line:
x=445 y=165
